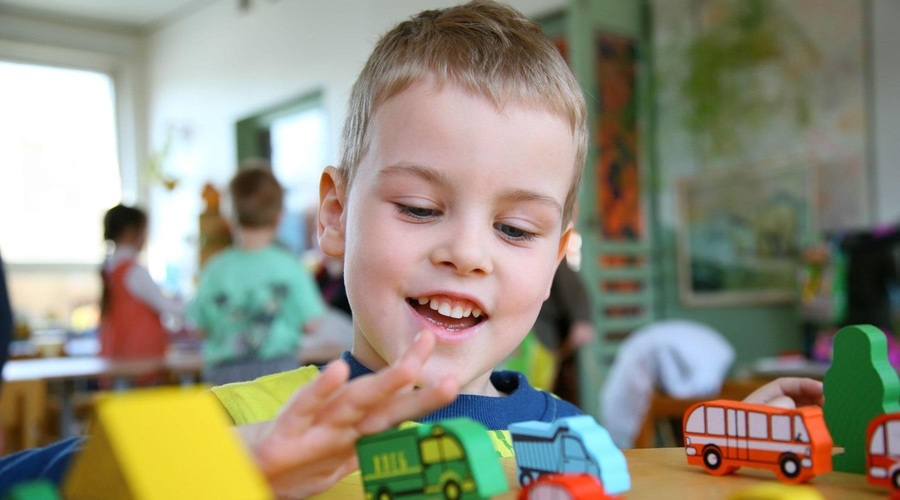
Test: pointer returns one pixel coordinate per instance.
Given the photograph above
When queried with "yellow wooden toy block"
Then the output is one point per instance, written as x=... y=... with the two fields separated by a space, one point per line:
x=163 y=444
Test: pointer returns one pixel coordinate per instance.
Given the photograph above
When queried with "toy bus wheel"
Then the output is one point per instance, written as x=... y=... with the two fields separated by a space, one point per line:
x=712 y=460
x=384 y=494
x=895 y=481
x=790 y=466
x=452 y=491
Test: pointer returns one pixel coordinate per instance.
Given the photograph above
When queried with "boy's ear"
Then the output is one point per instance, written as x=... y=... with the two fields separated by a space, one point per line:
x=560 y=253
x=331 y=213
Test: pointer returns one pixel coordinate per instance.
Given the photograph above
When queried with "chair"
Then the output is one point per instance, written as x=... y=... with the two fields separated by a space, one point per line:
x=657 y=427
x=23 y=406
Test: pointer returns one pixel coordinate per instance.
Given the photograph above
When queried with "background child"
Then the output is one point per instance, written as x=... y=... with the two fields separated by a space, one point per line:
x=132 y=305
x=254 y=299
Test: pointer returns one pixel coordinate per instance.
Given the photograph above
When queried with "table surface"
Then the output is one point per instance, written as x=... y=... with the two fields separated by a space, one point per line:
x=83 y=367
x=788 y=367
x=177 y=362
x=663 y=473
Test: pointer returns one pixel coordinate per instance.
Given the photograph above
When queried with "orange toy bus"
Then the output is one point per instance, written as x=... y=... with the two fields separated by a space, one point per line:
x=723 y=436
x=883 y=452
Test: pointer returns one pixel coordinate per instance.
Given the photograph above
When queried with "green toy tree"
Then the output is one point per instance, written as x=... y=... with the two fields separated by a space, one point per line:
x=860 y=385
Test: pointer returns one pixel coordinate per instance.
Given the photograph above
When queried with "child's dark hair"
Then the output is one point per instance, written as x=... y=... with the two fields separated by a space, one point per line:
x=121 y=218
x=257 y=197
x=116 y=222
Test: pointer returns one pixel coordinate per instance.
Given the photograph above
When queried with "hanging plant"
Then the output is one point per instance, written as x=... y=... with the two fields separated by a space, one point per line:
x=157 y=161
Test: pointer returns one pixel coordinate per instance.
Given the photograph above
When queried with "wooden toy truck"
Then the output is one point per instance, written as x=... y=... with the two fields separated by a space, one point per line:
x=572 y=445
x=723 y=436
x=451 y=459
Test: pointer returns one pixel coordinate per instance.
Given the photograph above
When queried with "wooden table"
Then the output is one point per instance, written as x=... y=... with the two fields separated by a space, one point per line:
x=663 y=473
x=92 y=367
x=772 y=368
x=64 y=372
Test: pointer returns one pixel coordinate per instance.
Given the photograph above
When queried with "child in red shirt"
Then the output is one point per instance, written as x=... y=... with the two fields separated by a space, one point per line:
x=132 y=304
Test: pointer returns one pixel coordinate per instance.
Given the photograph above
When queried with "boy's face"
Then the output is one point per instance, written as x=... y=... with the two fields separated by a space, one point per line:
x=452 y=224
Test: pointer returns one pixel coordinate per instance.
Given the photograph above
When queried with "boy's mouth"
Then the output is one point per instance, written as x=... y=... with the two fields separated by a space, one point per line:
x=448 y=313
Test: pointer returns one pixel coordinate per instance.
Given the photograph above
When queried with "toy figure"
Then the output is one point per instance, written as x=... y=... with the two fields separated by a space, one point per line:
x=860 y=385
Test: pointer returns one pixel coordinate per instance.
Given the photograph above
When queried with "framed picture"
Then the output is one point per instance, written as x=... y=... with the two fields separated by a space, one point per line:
x=741 y=233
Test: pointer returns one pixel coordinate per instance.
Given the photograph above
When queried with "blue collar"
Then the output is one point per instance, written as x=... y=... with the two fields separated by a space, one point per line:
x=520 y=403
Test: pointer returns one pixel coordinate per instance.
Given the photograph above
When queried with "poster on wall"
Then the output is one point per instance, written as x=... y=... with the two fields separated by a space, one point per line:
x=740 y=83
x=618 y=176
x=742 y=232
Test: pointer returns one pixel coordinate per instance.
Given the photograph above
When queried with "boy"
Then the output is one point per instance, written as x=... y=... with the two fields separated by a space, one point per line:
x=451 y=208
x=254 y=299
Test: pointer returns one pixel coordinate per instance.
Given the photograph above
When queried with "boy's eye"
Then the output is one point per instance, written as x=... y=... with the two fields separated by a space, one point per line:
x=416 y=212
x=514 y=233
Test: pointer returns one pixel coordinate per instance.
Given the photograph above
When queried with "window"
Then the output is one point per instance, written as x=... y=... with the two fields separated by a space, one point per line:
x=574 y=449
x=737 y=423
x=695 y=421
x=877 y=446
x=451 y=448
x=431 y=452
x=293 y=137
x=781 y=427
x=800 y=433
x=59 y=173
x=893 y=437
x=759 y=425
x=60 y=169
x=715 y=421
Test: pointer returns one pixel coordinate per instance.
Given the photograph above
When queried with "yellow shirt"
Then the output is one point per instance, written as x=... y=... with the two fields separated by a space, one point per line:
x=261 y=399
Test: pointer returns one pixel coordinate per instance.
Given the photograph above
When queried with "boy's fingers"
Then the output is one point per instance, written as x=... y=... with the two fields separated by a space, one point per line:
x=801 y=391
x=301 y=409
x=410 y=405
x=362 y=394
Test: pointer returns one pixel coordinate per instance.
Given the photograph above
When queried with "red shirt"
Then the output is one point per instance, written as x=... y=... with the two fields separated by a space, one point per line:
x=130 y=328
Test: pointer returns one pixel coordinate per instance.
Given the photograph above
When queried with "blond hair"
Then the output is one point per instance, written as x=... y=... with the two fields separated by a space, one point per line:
x=487 y=48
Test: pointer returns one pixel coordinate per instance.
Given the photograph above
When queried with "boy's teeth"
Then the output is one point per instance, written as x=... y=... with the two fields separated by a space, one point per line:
x=444 y=308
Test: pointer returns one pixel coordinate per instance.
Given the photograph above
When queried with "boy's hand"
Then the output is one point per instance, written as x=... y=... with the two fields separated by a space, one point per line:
x=311 y=443
x=789 y=392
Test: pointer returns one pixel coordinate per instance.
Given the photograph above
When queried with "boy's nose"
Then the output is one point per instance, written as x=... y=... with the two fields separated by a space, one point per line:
x=465 y=249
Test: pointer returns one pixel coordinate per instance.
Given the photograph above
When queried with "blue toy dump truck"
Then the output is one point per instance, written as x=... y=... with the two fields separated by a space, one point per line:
x=571 y=445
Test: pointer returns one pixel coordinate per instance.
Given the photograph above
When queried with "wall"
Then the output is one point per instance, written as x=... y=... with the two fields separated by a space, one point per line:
x=765 y=330
x=885 y=108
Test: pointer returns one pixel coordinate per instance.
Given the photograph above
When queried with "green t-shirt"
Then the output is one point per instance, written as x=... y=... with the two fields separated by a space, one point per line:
x=253 y=304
